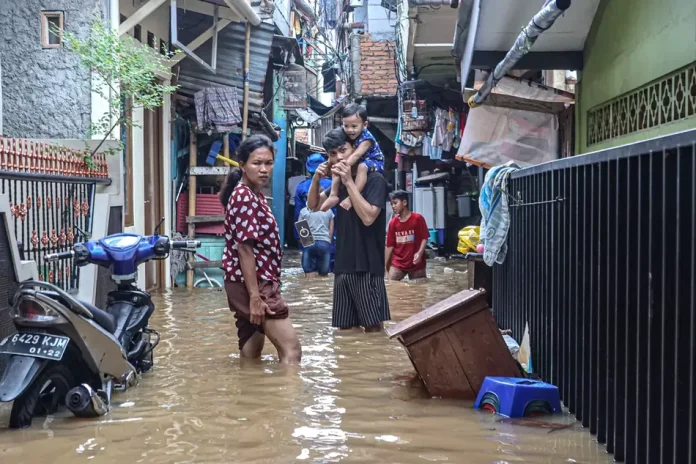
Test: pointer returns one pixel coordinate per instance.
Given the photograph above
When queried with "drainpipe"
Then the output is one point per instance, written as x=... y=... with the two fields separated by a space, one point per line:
x=468 y=55
x=540 y=22
x=451 y=3
x=356 y=88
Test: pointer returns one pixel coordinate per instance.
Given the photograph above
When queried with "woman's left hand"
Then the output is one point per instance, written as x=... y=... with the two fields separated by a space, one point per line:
x=258 y=310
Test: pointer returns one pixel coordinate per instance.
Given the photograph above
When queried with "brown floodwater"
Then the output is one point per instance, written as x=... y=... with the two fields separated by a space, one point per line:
x=354 y=399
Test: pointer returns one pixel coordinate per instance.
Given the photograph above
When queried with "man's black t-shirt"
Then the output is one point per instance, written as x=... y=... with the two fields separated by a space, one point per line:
x=360 y=248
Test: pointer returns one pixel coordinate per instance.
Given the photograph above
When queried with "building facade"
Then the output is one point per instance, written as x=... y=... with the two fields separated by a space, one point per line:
x=639 y=76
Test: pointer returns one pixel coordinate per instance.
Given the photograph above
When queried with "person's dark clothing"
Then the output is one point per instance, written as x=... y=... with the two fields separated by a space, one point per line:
x=360 y=248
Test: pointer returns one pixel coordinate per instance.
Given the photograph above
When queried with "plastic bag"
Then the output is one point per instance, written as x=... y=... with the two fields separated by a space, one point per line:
x=469 y=237
x=512 y=345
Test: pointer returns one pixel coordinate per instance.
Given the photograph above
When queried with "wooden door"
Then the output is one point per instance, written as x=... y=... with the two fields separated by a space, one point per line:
x=154 y=189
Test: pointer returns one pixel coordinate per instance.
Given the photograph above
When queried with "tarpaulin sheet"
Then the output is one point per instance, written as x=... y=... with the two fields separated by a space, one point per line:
x=494 y=136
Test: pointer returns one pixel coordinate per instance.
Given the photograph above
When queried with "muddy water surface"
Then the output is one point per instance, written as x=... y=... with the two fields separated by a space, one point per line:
x=354 y=399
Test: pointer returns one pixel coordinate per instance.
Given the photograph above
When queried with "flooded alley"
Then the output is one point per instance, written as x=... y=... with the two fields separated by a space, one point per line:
x=354 y=399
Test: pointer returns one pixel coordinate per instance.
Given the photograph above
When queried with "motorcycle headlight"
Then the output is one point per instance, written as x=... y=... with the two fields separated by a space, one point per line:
x=30 y=310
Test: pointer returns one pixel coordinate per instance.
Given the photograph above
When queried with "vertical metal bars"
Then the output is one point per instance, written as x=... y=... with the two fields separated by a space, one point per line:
x=606 y=280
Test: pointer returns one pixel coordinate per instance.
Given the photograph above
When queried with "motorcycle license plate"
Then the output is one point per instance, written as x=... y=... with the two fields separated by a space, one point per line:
x=36 y=345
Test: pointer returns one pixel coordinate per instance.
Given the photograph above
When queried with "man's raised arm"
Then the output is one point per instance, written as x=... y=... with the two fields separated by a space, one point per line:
x=316 y=196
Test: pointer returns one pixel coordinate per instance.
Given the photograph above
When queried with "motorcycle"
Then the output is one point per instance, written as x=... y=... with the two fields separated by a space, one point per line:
x=68 y=352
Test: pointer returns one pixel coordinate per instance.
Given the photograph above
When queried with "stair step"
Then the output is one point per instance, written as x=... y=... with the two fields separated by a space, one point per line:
x=204 y=219
x=204 y=265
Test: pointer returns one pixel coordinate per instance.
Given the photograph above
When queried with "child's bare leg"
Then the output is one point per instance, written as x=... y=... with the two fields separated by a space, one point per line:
x=360 y=181
x=333 y=197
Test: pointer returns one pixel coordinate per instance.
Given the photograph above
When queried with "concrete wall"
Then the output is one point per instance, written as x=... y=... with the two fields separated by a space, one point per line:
x=381 y=21
x=631 y=43
x=46 y=92
x=281 y=16
x=138 y=184
x=157 y=23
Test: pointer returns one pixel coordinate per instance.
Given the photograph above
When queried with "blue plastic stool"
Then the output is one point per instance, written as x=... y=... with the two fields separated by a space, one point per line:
x=514 y=397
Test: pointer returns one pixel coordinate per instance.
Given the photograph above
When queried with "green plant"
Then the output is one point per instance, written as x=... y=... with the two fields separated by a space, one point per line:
x=123 y=70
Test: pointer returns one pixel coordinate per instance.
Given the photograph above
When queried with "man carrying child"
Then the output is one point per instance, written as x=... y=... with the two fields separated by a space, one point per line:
x=360 y=295
x=366 y=152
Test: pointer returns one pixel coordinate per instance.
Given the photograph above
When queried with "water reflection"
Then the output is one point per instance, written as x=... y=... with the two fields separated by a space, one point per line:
x=354 y=398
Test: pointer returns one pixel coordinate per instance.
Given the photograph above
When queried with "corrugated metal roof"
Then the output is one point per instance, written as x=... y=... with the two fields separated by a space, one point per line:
x=230 y=58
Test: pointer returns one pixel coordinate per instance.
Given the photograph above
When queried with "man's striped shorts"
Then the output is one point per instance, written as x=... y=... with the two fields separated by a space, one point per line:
x=359 y=300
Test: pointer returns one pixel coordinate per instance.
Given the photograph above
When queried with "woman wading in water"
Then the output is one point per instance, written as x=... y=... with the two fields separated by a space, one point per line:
x=253 y=254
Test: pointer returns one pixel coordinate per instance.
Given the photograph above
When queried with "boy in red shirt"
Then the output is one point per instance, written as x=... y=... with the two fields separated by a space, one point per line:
x=407 y=236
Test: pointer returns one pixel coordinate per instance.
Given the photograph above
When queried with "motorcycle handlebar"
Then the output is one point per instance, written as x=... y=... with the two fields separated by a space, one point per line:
x=53 y=257
x=182 y=244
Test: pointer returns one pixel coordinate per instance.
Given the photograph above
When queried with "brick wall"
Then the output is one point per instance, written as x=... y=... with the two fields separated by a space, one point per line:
x=377 y=70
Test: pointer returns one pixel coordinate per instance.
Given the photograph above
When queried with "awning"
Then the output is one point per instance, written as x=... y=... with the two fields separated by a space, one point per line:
x=518 y=94
x=308 y=116
x=230 y=60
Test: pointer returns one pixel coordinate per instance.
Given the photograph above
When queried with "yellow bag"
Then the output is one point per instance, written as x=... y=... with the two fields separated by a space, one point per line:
x=469 y=237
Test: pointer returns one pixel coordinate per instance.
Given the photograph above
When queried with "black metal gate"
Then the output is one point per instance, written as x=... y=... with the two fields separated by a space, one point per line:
x=50 y=190
x=602 y=266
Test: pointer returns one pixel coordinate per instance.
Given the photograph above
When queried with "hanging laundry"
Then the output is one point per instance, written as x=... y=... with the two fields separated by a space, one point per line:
x=445 y=129
x=217 y=109
x=449 y=135
x=328 y=13
x=430 y=150
x=440 y=127
x=495 y=216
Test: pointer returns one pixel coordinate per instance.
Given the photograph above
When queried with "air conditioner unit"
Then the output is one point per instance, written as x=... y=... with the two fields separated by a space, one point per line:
x=356 y=3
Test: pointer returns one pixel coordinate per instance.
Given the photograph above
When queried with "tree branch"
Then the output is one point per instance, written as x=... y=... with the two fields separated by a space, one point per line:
x=104 y=139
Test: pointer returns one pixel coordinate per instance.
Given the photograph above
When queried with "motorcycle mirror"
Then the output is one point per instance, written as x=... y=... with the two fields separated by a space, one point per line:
x=82 y=232
x=159 y=225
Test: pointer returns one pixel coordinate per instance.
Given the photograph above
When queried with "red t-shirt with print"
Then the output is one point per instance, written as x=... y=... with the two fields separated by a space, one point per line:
x=406 y=238
x=249 y=219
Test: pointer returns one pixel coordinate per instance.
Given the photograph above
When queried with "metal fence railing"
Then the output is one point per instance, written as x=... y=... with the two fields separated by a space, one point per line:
x=51 y=191
x=602 y=266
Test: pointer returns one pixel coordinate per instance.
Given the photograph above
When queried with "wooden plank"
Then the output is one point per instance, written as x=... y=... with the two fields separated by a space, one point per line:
x=198 y=41
x=193 y=155
x=465 y=297
x=437 y=364
x=209 y=171
x=480 y=350
x=442 y=321
x=142 y=13
x=204 y=219
x=204 y=265
x=208 y=9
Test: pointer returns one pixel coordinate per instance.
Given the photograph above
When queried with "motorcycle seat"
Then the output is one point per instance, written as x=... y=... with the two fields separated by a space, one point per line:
x=101 y=317
x=105 y=320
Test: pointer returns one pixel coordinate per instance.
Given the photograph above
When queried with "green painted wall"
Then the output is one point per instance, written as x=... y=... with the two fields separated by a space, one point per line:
x=631 y=43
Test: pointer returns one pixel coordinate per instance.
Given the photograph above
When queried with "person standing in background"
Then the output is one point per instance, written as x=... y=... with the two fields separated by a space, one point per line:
x=296 y=178
x=300 y=200
x=316 y=259
x=313 y=162
x=407 y=236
